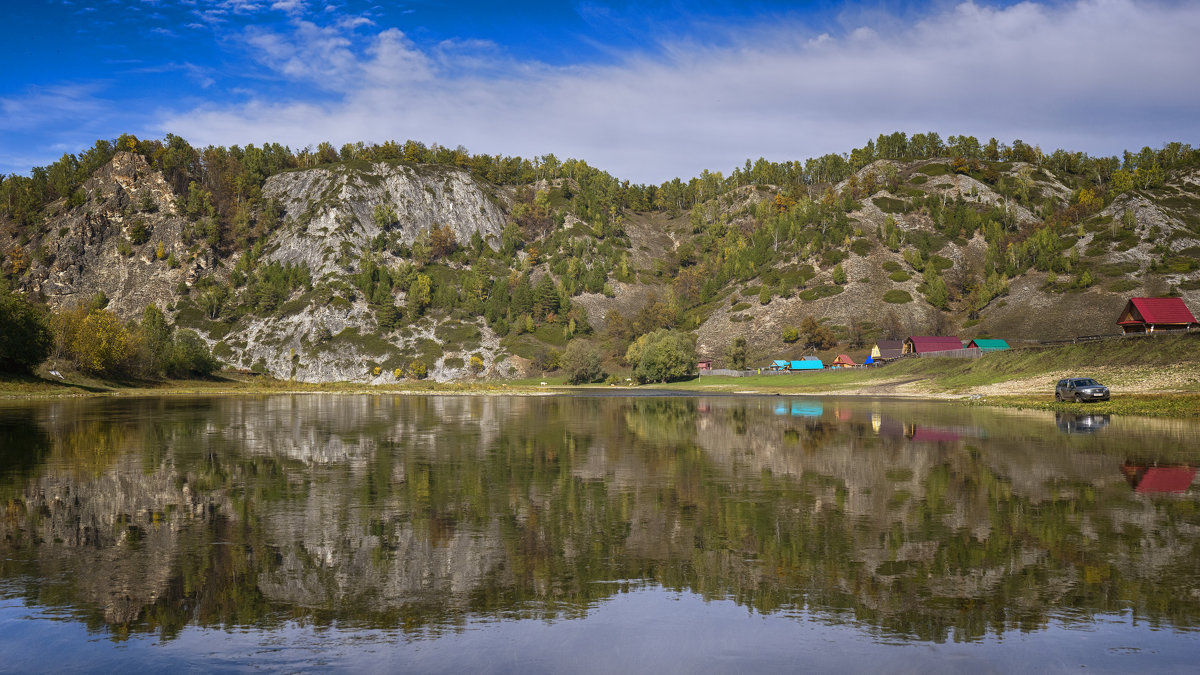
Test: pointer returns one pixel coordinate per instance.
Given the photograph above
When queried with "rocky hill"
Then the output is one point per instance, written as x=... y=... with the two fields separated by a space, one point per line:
x=361 y=270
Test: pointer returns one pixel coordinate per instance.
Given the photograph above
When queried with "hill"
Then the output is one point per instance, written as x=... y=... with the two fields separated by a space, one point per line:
x=391 y=261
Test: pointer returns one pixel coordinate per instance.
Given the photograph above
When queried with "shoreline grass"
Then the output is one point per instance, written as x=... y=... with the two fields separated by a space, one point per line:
x=1152 y=377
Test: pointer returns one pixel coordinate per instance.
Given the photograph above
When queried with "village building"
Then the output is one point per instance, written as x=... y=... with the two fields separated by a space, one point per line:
x=843 y=361
x=924 y=344
x=988 y=345
x=1147 y=315
x=887 y=349
x=807 y=363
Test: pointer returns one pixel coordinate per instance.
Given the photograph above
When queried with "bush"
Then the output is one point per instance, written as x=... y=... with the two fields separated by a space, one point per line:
x=899 y=275
x=897 y=297
x=790 y=334
x=190 y=357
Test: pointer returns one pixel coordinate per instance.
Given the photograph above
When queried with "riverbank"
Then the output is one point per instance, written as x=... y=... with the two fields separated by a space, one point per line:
x=1153 y=376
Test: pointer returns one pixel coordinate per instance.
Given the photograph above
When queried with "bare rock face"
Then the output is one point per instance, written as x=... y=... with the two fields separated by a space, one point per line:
x=334 y=210
x=118 y=242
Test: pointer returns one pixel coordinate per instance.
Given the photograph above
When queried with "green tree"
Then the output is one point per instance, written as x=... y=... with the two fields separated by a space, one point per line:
x=420 y=294
x=662 y=356
x=581 y=361
x=839 y=274
x=25 y=337
x=736 y=353
x=790 y=334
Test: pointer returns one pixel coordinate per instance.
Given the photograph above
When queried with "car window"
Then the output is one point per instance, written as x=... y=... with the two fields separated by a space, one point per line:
x=1087 y=382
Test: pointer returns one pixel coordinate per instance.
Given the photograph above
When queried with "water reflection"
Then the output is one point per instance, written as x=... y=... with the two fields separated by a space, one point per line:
x=923 y=522
x=1075 y=423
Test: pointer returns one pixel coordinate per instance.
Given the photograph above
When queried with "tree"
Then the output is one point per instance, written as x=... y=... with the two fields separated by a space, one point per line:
x=581 y=362
x=420 y=294
x=25 y=339
x=790 y=334
x=190 y=356
x=816 y=335
x=736 y=353
x=662 y=356
x=839 y=274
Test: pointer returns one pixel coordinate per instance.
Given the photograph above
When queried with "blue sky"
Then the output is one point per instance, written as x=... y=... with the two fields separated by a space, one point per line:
x=645 y=90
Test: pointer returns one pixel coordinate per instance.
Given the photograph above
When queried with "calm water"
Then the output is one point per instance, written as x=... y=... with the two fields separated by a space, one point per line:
x=594 y=534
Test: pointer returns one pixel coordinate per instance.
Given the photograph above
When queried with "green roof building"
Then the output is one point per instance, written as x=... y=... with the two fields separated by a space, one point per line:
x=988 y=345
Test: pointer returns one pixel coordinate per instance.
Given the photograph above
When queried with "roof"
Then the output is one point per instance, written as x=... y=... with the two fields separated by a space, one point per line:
x=988 y=344
x=934 y=343
x=780 y=363
x=807 y=363
x=1159 y=310
x=890 y=344
x=842 y=358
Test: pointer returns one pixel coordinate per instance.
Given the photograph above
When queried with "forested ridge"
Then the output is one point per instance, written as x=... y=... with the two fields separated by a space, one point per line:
x=913 y=205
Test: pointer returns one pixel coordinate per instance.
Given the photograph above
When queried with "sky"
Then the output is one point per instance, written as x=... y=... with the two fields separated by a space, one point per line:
x=646 y=90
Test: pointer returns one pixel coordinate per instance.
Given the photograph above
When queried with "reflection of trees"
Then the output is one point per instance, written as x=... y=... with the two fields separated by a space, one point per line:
x=417 y=511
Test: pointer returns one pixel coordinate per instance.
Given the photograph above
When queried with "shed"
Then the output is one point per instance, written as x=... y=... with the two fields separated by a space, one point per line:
x=887 y=349
x=988 y=345
x=843 y=361
x=923 y=344
x=807 y=363
x=704 y=365
x=1146 y=315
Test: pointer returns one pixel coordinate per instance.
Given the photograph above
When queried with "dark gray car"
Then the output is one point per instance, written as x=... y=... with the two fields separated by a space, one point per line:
x=1080 y=389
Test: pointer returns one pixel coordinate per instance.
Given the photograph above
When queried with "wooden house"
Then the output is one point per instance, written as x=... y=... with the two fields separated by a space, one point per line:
x=704 y=366
x=843 y=361
x=806 y=363
x=924 y=344
x=779 y=364
x=988 y=345
x=1146 y=315
x=887 y=349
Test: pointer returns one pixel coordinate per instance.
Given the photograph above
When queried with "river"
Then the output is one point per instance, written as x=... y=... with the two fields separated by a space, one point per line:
x=594 y=533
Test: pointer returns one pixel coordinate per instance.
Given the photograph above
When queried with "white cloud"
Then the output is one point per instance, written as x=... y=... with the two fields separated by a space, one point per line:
x=1092 y=75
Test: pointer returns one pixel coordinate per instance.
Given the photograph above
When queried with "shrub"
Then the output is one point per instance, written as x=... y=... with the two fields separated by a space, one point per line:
x=899 y=276
x=790 y=334
x=25 y=338
x=897 y=297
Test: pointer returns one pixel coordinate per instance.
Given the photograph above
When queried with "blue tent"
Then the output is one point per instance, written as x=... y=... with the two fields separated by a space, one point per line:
x=869 y=360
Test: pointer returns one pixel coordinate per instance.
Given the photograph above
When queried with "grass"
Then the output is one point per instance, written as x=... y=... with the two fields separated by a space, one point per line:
x=1132 y=359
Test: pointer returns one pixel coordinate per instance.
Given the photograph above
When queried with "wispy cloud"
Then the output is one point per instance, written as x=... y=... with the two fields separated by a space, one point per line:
x=1094 y=75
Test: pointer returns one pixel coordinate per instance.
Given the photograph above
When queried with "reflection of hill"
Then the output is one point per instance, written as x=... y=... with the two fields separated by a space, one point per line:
x=416 y=510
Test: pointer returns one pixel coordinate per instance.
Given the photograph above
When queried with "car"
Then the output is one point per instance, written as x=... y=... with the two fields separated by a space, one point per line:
x=1080 y=389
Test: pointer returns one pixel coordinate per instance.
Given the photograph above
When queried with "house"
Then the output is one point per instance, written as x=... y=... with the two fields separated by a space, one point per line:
x=923 y=344
x=988 y=345
x=807 y=363
x=887 y=349
x=843 y=361
x=704 y=366
x=779 y=364
x=1146 y=315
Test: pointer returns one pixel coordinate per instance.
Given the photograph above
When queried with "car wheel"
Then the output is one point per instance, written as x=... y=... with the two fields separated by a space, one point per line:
x=1058 y=397
x=1078 y=398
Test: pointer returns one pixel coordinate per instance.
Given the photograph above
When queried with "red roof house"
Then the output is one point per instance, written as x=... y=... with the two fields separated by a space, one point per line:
x=1146 y=315
x=922 y=344
x=843 y=361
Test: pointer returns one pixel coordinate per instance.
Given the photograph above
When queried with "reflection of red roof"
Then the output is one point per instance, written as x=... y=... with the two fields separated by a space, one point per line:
x=1158 y=311
x=1166 y=479
x=927 y=435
